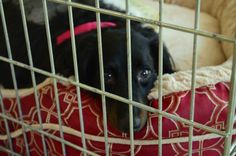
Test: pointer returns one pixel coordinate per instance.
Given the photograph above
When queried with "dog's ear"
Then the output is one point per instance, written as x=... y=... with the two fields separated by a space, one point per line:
x=63 y=59
x=167 y=59
x=86 y=57
x=168 y=63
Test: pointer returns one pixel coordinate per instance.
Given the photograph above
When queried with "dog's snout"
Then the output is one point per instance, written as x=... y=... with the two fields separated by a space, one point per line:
x=137 y=119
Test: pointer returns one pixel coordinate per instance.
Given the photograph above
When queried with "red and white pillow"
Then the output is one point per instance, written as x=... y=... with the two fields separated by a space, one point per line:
x=210 y=110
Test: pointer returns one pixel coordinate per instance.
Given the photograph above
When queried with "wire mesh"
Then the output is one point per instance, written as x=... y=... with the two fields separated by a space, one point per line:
x=196 y=32
x=194 y=68
x=101 y=69
x=129 y=69
x=13 y=76
x=32 y=73
x=50 y=49
x=75 y=63
x=231 y=107
x=160 y=74
x=6 y=124
x=116 y=97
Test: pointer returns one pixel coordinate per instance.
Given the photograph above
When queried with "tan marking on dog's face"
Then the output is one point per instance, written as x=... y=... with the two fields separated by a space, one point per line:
x=120 y=119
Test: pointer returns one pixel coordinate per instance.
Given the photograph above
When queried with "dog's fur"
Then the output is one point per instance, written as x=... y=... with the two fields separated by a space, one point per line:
x=144 y=58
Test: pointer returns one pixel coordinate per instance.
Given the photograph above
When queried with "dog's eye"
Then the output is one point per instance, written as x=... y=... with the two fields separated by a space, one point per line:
x=144 y=75
x=109 y=78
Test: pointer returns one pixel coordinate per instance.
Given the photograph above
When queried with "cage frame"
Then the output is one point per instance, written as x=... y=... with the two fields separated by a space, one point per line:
x=128 y=17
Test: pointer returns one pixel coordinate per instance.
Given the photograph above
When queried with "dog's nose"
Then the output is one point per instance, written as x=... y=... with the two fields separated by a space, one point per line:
x=136 y=123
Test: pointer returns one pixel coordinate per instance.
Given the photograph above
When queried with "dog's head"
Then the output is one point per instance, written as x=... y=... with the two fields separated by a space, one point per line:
x=144 y=70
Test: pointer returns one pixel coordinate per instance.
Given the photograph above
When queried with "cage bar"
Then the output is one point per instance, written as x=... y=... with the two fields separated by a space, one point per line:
x=101 y=69
x=231 y=106
x=6 y=123
x=118 y=98
x=129 y=70
x=75 y=63
x=59 y=139
x=160 y=73
x=148 y=21
x=110 y=140
x=46 y=20
x=28 y=46
x=193 y=81
x=9 y=151
x=229 y=131
x=13 y=75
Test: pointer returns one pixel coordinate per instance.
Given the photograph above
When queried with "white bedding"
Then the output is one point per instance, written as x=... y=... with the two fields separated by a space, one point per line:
x=180 y=44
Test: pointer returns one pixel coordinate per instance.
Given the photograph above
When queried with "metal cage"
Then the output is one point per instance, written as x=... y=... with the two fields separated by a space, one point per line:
x=226 y=134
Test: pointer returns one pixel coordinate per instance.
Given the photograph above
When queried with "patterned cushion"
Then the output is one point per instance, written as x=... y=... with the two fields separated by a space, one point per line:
x=210 y=110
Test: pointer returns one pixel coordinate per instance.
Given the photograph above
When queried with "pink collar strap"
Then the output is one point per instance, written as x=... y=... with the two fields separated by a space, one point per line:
x=83 y=28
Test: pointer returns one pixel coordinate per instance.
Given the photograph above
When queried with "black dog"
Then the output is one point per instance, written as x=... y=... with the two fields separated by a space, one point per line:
x=144 y=57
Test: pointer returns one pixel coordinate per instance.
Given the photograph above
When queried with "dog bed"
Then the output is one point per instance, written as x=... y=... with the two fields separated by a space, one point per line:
x=181 y=16
x=212 y=96
x=212 y=112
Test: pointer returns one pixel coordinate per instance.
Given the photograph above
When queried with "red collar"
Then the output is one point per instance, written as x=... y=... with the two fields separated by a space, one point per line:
x=83 y=28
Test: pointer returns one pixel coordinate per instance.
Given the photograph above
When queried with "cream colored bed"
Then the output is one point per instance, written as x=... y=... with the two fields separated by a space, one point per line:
x=214 y=56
